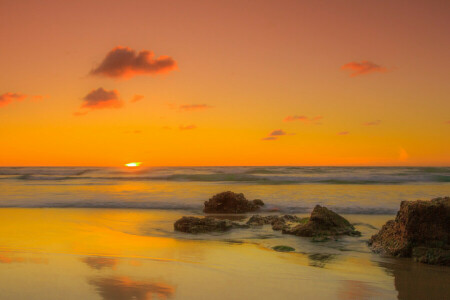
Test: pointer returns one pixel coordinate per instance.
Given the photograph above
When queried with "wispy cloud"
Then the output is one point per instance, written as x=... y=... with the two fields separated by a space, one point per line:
x=7 y=98
x=269 y=138
x=191 y=107
x=124 y=62
x=343 y=133
x=136 y=98
x=274 y=135
x=303 y=119
x=278 y=132
x=362 y=68
x=373 y=123
x=187 y=127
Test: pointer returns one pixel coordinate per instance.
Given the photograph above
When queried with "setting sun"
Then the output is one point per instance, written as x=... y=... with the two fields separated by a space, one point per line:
x=133 y=164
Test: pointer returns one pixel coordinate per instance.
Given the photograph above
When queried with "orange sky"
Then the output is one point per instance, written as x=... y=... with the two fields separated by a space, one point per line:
x=224 y=82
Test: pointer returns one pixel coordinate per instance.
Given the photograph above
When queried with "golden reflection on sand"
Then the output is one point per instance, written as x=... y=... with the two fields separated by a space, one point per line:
x=124 y=288
x=98 y=262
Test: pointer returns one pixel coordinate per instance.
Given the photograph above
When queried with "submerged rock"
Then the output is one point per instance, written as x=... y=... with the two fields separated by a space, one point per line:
x=322 y=222
x=283 y=248
x=229 y=202
x=202 y=225
x=420 y=230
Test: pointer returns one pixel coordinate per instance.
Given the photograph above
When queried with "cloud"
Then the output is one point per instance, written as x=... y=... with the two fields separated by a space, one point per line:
x=343 y=133
x=363 y=67
x=274 y=135
x=373 y=123
x=303 y=119
x=124 y=62
x=191 y=107
x=101 y=98
x=187 y=127
x=277 y=132
x=136 y=98
x=7 y=98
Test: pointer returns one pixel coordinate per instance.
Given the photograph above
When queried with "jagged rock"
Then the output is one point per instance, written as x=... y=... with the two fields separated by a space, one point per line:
x=322 y=222
x=202 y=225
x=420 y=230
x=229 y=202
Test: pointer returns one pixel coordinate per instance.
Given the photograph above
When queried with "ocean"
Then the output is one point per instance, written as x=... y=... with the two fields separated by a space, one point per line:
x=351 y=190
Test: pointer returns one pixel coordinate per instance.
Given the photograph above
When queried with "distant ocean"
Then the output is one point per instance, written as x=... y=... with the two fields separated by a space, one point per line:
x=351 y=190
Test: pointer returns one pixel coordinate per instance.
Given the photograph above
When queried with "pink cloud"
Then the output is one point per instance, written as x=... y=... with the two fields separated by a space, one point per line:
x=187 y=127
x=303 y=119
x=124 y=62
x=343 y=133
x=191 y=107
x=7 y=98
x=363 y=67
x=373 y=123
x=136 y=98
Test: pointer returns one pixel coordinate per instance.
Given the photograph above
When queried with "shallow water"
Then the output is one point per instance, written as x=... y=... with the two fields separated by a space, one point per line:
x=107 y=233
x=55 y=253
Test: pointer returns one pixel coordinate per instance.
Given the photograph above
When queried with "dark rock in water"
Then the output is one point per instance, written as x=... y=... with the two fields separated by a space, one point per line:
x=202 y=225
x=433 y=256
x=229 y=202
x=323 y=222
x=421 y=230
x=283 y=249
x=277 y=222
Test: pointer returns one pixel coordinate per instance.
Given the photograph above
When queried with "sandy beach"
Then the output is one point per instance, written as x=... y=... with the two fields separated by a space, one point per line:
x=135 y=254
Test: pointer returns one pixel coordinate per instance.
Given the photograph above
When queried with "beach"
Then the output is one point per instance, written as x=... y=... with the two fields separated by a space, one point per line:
x=69 y=233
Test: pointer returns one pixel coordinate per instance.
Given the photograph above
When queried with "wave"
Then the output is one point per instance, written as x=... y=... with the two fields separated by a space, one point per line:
x=197 y=208
x=255 y=175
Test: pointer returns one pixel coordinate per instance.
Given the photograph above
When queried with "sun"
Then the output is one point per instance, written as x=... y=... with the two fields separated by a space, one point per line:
x=133 y=164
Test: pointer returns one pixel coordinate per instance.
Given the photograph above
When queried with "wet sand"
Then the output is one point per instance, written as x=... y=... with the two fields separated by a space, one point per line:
x=134 y=254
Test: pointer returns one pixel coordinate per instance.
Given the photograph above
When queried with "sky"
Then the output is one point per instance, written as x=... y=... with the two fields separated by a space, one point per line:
x=224 y=83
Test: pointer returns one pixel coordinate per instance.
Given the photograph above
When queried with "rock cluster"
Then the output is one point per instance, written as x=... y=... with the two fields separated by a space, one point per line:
x=231 y=203
x=277 y=222
x=420 y=230
x=323 y=222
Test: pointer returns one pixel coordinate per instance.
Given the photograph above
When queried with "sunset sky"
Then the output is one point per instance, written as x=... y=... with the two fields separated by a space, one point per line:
x=179 y=83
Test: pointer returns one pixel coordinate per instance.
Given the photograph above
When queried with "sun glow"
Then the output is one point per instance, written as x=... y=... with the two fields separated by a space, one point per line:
x=133 y=164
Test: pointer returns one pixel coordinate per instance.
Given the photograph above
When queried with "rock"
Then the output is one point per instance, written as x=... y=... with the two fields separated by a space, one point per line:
x=277 y=222
x=202 y=225
x=229 y=202
x=322 y=222
x=283 y=249
x=433 y=256
x=420 y=230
